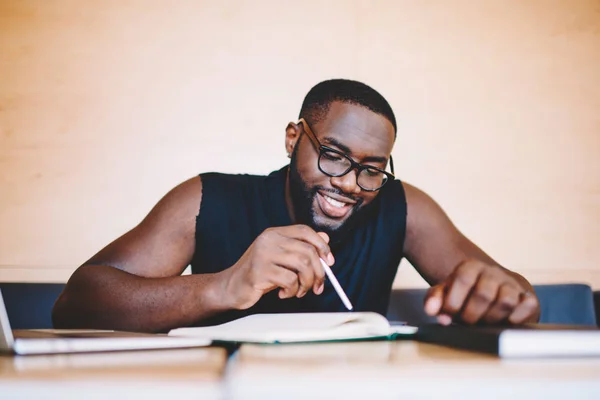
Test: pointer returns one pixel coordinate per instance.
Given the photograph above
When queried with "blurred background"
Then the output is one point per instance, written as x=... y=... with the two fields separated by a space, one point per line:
x=105 y=106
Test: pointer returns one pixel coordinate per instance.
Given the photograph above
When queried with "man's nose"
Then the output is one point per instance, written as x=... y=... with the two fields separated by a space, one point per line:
x=346 y=183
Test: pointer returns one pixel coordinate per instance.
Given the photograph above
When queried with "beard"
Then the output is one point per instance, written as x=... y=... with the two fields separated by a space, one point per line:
x=303 y=198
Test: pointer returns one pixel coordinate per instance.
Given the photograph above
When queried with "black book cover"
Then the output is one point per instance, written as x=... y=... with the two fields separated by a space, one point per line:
x=487 y=338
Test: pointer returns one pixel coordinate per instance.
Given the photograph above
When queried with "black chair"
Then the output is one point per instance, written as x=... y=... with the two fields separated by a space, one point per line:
x=560 y=304
x=29 y=305
x=566 y=304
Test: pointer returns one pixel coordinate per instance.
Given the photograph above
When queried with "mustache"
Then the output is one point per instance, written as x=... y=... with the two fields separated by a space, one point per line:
x=338 y=192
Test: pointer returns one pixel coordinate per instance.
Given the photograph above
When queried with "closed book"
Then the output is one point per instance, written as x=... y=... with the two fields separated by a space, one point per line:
x=529 y=340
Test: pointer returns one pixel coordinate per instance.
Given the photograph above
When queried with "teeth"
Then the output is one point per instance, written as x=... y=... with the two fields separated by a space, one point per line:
x=334 y=202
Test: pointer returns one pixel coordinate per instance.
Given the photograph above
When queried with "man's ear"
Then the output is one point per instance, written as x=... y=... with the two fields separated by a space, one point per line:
x=292 y=133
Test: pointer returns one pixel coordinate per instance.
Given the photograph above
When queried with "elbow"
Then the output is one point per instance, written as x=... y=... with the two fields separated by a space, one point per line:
x=69 y=310
x=66 y=311
x=59 y=312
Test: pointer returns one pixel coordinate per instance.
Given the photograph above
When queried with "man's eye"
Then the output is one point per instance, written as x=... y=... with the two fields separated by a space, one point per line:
x=372 y=172
x=332 y=156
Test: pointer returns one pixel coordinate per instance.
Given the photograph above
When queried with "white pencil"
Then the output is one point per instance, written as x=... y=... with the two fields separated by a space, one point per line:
x=336 y=285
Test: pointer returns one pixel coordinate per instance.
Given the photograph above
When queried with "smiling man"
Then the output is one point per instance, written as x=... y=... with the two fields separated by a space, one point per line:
x=254 y=242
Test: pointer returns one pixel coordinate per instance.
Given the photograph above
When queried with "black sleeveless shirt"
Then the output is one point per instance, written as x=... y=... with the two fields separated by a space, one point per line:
x=235 y=209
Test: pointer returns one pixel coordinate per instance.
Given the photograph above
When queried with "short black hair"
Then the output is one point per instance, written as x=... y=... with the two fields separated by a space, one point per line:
x=318 y=100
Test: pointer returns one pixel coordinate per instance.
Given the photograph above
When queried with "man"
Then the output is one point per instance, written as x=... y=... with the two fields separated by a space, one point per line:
x=255 y=242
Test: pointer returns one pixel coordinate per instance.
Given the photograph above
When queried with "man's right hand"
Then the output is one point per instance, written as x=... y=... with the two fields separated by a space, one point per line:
x=286 y=258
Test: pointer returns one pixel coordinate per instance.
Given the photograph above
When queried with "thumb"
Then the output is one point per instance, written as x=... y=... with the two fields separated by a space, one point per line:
x=434 y=299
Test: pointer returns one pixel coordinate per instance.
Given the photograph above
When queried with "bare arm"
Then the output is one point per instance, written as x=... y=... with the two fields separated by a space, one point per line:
x=134 y=283
x=465 y=280
x=434 y=245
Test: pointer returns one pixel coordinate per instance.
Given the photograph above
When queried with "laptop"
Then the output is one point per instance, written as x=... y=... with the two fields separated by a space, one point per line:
x=57 y=341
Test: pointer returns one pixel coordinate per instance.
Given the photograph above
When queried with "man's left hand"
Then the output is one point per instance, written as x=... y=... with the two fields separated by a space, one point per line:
x=478 y=292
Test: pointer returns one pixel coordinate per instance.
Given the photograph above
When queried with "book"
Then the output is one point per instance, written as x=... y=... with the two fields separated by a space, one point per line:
x=529 y=340
x=301 y=327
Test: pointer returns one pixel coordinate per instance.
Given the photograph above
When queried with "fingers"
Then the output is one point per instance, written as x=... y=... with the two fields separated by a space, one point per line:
x=324 y=236
x=308 y=235
x=284 y=279
x=462 y=281
x=444 y=319
x=434 y=299
x=305 y=248
x=476 y=292
x=506 y=301
x=283 y=257
x=526 y=310
x=480 y=299
x=303 y=259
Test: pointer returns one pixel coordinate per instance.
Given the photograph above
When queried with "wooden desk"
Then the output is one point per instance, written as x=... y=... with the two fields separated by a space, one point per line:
x=379 y=370
x=165 y=374
x=371 y=370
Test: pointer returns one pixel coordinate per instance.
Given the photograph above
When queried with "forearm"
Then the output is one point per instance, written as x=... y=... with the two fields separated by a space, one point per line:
x=103 y=297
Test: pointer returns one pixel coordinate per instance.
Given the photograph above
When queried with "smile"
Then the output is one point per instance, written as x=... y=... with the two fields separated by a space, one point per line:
x=333 y=208
x=334 y=202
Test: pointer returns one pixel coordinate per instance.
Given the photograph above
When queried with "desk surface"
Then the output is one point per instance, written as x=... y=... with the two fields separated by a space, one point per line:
x=182 y=373
x=374 y=370
x=405 y=368
x=199 y=364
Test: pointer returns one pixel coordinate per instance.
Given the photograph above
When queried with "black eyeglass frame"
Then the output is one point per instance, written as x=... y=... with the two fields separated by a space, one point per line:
x=353 y=164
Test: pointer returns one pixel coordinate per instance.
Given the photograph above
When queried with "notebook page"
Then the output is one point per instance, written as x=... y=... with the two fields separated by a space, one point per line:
x=293 y=327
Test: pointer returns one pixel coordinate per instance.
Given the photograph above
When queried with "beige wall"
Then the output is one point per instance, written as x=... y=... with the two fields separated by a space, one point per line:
x=104 y=106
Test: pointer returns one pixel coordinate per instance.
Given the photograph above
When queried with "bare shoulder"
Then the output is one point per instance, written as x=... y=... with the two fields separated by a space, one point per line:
x=178 y=205
x=426 y=221
x=163 y=243
x=413 y=193
x=421 y=207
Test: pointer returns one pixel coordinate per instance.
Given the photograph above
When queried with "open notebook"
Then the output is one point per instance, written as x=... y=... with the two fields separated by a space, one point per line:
x=300 y=327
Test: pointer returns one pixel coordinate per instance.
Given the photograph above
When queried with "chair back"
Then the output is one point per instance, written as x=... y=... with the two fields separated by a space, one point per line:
x=560 y=304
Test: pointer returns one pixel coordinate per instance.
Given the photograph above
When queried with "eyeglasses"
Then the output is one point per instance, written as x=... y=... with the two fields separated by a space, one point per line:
x=334 y=163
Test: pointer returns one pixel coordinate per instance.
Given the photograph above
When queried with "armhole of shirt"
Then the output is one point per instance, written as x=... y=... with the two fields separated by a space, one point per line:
x=197 y=244
x=403 y=211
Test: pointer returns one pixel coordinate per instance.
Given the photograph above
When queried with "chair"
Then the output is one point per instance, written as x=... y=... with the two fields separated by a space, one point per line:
x=560 y=304
x=29 y=305
x=566 y=304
